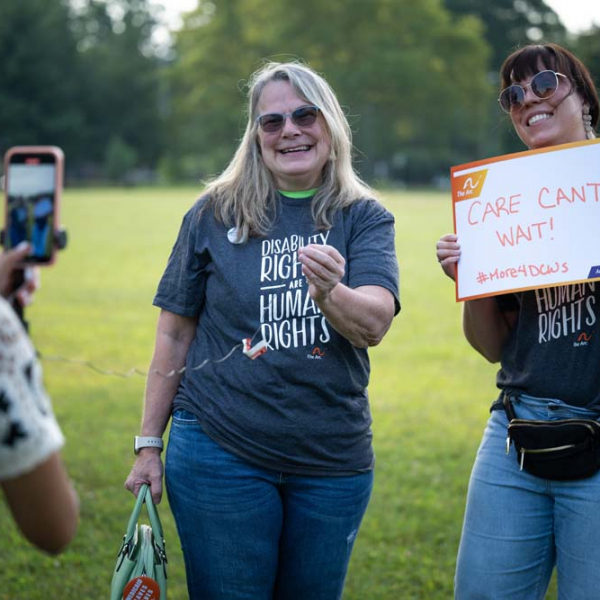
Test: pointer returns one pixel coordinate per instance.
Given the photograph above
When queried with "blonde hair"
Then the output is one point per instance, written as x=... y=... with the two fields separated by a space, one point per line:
x=244 y=195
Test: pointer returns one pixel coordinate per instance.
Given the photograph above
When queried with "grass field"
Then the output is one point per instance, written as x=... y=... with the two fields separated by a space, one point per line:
x=429 y=393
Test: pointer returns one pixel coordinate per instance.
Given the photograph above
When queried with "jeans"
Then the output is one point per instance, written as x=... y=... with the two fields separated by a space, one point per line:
x=518 y=527
x=254 y=534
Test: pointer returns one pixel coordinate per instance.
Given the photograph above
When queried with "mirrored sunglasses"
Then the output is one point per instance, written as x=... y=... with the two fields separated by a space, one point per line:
x=305 y=116
x=543 y=85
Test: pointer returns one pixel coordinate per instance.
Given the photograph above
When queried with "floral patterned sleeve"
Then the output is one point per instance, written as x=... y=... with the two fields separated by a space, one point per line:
x=29 y=433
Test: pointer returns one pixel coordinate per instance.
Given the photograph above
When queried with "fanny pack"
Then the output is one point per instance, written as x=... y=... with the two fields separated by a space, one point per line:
x=560 y=450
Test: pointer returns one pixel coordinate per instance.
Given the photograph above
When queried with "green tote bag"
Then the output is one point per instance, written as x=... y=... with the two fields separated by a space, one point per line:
x=141 y=569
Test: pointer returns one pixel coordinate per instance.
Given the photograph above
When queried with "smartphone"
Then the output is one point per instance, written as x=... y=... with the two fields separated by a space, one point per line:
x=33 y=187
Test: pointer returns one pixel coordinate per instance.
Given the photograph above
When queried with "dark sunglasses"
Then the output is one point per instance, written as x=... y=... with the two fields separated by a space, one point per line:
x=543 y=85
x=305 y=116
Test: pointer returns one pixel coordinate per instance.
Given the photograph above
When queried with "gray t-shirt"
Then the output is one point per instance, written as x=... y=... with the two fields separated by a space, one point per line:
x=302 y=407
x=554 y=348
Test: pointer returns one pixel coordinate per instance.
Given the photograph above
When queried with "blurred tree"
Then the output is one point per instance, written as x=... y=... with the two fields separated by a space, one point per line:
x=511 y=23
x=587 y=48
x=78 y=74
x=120 y=159
x=508 y=24
x=39 y=71
x=216 y=52
x=121 y=78
x=413 y=77
x=417 y=78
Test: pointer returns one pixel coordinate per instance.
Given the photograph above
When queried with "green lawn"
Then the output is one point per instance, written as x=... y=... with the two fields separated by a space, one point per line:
x=429 y=392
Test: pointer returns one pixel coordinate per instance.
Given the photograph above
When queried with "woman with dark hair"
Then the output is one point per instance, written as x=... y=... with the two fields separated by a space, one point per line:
x=518 y=527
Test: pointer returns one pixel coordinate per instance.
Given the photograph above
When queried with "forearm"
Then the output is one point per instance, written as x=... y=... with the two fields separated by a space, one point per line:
x=486 y=327
x=160 y=392
x=362 y=315
x=174 y=335
x=44 y=505
x=172 y=344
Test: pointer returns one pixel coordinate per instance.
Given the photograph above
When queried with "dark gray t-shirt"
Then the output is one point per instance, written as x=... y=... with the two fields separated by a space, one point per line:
x=302 y=407
x=554 y=348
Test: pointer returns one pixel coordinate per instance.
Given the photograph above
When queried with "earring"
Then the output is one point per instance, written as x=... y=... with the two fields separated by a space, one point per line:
x=587 y=123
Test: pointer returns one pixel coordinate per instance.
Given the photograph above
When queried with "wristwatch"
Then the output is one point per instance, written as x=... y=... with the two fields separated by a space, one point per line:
x=140 y=442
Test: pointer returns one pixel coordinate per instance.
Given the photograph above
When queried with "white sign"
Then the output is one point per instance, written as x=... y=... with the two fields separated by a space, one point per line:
x=528 y=220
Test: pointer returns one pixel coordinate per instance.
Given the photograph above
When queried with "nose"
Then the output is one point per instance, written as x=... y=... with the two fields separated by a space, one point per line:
x=529 y=96
x=289 y=127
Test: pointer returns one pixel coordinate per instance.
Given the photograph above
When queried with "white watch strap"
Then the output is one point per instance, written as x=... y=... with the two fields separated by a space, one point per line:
x=147 y=442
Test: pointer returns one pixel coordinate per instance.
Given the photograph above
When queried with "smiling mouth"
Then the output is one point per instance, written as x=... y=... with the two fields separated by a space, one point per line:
x=538 y=118
x=296 y=149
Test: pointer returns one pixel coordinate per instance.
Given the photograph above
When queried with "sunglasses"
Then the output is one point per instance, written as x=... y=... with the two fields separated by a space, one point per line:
x=543 y=85
x=305 y=116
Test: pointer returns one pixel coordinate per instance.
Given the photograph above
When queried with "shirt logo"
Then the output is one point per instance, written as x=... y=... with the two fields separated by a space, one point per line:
x=316 y=354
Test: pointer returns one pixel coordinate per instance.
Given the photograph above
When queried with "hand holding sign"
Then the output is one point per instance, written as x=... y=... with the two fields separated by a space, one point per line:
x=448 y=254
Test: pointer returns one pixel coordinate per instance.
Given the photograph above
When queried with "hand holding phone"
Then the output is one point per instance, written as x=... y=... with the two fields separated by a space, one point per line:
x=17 y=283
x=33 y=186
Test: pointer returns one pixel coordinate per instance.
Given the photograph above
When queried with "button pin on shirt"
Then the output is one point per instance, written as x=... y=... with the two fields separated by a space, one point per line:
x=233 y=236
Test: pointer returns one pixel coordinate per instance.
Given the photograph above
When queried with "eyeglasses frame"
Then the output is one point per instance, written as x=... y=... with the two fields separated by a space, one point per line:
x=286 y=115
x=527 y=85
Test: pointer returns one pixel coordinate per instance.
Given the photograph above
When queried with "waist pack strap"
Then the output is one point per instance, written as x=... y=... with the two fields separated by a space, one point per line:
x=508 y=407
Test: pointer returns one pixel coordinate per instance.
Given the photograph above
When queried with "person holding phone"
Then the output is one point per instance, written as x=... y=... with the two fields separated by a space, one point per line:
x=269 y=466
x=32 y=475
x=518 y=527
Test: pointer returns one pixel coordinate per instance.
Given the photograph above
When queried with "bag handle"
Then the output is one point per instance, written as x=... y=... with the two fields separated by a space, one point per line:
x=135 y=514
x=157 y=529
x=144 y=495
x=153 y=514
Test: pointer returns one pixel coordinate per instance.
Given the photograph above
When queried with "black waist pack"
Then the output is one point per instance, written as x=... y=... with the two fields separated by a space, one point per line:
x=560 y=450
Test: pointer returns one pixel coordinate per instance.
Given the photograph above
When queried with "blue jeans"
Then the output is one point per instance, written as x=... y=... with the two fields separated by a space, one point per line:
x=254 y=534
x=518 y=527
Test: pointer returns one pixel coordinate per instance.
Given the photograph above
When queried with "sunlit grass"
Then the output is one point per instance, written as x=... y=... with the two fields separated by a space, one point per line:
x=429 y=393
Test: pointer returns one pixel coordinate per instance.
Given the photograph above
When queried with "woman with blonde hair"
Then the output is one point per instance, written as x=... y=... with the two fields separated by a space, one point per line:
x=269 y=465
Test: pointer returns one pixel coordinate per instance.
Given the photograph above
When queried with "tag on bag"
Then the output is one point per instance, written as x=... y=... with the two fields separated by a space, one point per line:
x=142 y=588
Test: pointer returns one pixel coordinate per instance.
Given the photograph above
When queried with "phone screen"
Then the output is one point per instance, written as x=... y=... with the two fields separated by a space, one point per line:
x=31 y=203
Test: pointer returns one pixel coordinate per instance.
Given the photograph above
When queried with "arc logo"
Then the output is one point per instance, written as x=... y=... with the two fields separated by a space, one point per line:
x=469 y=185
x=583 y=339
x=316 y=354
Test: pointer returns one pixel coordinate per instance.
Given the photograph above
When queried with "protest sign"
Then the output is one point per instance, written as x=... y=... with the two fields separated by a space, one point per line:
x=528 y=220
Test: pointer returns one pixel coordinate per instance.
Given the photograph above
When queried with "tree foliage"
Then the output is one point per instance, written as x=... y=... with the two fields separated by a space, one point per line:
x=411 y=76
x=587 y=49
x=509 y=24
x=79 y=77
x=120 y=77
x=39 y=72
x=416 y=78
